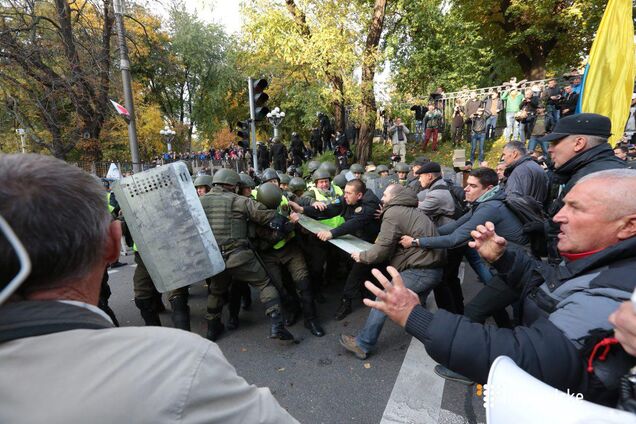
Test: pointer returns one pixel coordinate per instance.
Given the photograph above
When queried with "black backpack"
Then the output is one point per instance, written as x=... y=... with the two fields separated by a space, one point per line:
x=533 y=218
x=458 y=195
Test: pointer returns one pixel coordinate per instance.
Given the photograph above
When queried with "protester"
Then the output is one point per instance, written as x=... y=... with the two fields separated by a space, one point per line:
x=565 y=307
x=421 y=270
x=523 y=176
x=578 y=147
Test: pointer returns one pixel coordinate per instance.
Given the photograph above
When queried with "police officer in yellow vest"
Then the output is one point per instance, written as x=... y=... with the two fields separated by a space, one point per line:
x=280 y=250
x=322 y=192
x=228 y=215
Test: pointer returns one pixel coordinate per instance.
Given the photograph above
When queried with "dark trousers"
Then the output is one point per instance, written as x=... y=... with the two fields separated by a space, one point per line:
x=492 y=300
x=358 y=274
x=448 y=295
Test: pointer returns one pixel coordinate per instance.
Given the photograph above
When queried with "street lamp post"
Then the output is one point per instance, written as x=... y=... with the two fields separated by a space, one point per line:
x=21 y=132
x=275 y=118
x=118 y=6
x=168 y=136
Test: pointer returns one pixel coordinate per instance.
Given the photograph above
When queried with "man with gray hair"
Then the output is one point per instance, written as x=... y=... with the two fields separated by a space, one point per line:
x=565 y=308
x=578 y=147
x=61 y=359
x=523 y=176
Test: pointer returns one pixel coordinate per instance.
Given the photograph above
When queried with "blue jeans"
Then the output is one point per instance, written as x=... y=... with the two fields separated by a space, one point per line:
x=477 y=138
x=419 y=129
x=421 y=280
x=491 y=124
x=551 y=117
x=544 y=145
x=478 y=265
x=512 y=127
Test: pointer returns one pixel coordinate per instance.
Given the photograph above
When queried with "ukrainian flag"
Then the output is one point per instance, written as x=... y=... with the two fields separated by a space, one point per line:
x=609 y=76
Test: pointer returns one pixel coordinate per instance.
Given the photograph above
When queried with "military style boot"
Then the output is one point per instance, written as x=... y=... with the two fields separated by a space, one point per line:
x=234 y=306
x=278 y=330
x=148 y=310
x=291 y=313
x=180 y=312
x=215 y=329
x=311 y=319
x=343 y=310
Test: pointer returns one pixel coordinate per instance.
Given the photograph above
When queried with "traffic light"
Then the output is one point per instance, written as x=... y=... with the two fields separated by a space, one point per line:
x=260 y=99
x=243 y=129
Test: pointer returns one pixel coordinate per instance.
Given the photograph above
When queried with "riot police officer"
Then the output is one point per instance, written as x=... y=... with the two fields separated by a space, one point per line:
x=280 y=250
x=228 y=214
x=357 y=170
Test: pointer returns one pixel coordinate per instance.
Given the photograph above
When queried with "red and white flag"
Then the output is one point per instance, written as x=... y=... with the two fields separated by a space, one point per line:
x=121 y=111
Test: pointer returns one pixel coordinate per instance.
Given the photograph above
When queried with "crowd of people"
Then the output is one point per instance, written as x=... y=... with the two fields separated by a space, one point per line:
x=553 y=244
x=530 y=110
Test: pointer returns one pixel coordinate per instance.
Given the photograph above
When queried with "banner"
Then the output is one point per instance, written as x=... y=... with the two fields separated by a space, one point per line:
x=609 y=77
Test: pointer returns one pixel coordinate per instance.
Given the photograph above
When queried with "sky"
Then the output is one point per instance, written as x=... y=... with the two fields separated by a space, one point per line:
x=224 y=12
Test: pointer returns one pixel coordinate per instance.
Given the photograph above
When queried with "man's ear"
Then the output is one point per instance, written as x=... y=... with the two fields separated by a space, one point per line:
x=629 y=228
x=580 y=143
x=113 y=242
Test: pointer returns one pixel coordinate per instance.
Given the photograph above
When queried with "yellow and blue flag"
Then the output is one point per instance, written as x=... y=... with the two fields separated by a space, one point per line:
x=608 y=82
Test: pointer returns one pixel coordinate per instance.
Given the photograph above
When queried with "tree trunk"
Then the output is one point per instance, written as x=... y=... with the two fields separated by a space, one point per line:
x=368 y=106
x=338 y=103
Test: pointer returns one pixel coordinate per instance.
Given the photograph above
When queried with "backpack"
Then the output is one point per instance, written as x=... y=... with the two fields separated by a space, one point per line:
x=532 y=217
x=458 y=195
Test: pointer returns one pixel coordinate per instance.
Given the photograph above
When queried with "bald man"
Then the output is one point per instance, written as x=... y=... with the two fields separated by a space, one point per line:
x=565 y=308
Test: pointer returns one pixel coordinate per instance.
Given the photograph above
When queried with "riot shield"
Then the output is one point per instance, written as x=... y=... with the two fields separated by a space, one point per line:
x=169 y=227
x=378 y=185
x=348 y=243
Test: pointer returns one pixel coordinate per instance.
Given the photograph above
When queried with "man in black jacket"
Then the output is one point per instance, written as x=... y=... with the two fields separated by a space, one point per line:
x=297 y=150
x=262 y=155
x=357 y=206
x=578 y=147
x=565 y=308
x=279 y=155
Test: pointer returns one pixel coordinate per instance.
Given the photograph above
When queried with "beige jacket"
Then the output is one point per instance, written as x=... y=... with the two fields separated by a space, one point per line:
x=127 y=375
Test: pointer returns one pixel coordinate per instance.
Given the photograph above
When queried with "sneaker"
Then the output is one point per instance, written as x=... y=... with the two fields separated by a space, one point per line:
x=349 y=343
x=117 y=264
x=447 y=374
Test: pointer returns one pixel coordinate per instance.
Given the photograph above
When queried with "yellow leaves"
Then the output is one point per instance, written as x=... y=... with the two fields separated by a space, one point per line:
x=223 y=138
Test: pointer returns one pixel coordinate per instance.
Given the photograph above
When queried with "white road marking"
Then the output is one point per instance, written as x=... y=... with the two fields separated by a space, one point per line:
x=417 y=393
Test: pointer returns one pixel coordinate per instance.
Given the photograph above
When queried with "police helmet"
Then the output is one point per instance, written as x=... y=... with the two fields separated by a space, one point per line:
x=226 y=176
x=356 y=168
x=269 y=195
x=402 y=167
x=340 y=180
x=320 y=174
x=297 y=184
x=269 y=174
x=247 y=181
x=329 y=167
x=312 y=166
x=284 y=179
x=203 y=180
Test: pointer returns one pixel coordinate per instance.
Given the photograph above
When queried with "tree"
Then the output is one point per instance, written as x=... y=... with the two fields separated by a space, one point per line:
x=429 y=47
x=307 y=48
x=368 y=107
x=537 y=34
x=57 y=73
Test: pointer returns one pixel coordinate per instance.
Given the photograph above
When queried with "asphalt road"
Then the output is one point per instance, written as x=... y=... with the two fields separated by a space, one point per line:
x=316 y=380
